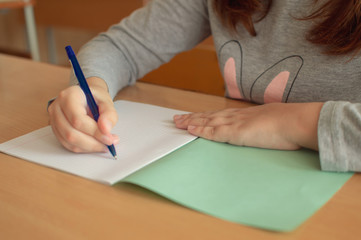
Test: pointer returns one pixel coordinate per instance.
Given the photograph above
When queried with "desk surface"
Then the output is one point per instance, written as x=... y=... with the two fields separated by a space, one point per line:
x=45 y=203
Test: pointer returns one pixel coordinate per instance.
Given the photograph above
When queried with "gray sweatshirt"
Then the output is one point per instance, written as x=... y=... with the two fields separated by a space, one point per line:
x=278 y=65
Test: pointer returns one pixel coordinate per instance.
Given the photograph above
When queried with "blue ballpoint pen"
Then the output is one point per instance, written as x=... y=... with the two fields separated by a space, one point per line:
x=85 y=87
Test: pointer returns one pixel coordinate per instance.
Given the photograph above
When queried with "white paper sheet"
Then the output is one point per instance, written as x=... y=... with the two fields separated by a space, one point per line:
x=146 y=134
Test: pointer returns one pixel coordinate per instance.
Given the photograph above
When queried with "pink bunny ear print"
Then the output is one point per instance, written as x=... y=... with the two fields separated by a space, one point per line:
x=275 y=84
x=230 y=79
x=276 y=88
x=230 y=56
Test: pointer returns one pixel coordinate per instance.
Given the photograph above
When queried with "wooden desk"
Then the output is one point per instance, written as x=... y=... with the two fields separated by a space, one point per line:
x=37 y=202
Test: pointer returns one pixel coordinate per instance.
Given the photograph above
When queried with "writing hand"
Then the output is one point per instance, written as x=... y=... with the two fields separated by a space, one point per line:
x=73 y=124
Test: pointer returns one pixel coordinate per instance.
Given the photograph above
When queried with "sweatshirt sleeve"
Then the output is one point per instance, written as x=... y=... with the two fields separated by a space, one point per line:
x=142 y=42
x=339 y=136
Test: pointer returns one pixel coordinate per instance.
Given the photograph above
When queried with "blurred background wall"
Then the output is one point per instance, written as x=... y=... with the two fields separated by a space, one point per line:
x=63 y=22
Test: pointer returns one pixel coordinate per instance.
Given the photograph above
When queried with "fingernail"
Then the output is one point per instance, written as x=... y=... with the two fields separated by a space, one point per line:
x=176 y=117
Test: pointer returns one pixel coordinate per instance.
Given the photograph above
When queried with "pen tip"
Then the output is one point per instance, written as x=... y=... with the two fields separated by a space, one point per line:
x=115 y=157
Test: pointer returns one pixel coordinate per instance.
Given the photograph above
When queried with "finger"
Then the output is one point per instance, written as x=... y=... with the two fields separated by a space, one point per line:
x=75 y=148
x=205 y=121
x=182 y=121
x=181 y=117
x=208 y=122
x=71 y=138
x=221 y=133
x=178 y=120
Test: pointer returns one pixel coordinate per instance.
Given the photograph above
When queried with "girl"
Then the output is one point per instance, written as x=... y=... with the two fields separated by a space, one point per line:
x=298 y=59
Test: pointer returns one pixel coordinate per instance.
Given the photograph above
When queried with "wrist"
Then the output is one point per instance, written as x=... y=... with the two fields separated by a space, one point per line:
x=98 y=83
x=302 y=129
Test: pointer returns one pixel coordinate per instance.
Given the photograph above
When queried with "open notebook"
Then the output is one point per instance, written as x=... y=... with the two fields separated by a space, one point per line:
x=270 y=189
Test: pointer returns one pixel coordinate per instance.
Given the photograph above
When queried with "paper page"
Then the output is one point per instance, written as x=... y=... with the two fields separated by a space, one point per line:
x=271 y=189
x=146 y=134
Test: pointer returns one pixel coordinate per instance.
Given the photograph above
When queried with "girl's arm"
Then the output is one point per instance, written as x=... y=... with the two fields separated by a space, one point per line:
x=333 y=128
x=276 y=126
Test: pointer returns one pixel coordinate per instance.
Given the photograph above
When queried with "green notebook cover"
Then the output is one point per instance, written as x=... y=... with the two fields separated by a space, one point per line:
x=270 y=189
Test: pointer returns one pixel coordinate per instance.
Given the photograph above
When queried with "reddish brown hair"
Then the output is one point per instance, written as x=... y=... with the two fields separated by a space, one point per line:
x=337 y=28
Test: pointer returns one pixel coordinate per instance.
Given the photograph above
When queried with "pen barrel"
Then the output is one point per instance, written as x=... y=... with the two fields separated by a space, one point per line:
x=92 y=106
x=83 y=83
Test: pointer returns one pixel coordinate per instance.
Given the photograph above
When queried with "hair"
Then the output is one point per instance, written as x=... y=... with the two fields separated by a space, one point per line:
x=337 y=22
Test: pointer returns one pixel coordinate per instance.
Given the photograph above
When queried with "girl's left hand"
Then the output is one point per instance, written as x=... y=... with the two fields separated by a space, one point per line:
x=285 y=126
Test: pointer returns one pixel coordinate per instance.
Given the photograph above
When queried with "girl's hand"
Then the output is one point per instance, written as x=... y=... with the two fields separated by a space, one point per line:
x=73 y=124
x=285 y=126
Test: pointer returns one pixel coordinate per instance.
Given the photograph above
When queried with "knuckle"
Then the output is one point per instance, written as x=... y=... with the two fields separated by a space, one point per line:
x=76 y=122
x=215 y=120
x=63 y=94
x=212 y=132
x=208 y=133
x=220 y=133
x=70 y=137
x=204 y=121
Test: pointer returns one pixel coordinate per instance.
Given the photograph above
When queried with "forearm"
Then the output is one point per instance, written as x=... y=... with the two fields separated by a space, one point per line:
x=108 y=64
